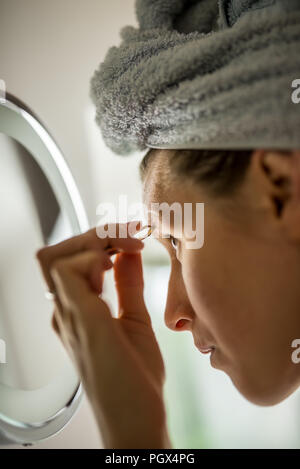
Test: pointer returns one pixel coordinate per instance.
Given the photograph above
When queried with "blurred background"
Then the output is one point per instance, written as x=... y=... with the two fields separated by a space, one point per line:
x=48 y=53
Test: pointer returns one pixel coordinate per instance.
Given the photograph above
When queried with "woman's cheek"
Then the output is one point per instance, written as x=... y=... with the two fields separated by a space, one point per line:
x=199 y=289
x=214 y=307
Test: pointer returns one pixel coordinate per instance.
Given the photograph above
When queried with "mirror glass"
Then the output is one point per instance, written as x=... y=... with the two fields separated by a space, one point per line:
x=39 y=206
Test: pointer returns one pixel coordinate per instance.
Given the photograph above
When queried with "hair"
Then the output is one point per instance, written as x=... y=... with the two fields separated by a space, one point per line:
x=221 y=171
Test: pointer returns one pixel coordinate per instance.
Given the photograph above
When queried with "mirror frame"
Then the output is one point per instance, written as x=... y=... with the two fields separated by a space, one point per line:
x=20 y=123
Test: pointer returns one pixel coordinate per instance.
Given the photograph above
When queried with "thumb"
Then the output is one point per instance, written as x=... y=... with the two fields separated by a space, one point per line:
x=128 y=274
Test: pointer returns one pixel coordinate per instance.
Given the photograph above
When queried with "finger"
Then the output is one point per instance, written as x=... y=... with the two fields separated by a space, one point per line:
x=65 y=329
x=128 y=273
x=72 y=278
x=58 y=326
x=89 y=240
x=54 y=324
x=68 y=338
x=95 y=277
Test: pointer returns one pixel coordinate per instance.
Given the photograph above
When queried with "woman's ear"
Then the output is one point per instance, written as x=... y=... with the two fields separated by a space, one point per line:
x=279 y=176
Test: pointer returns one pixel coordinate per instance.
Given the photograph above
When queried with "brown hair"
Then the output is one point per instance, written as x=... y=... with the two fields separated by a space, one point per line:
x=222 y=171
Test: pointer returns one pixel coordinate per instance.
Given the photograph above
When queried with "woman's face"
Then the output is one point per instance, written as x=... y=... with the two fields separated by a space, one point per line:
x=240 y=291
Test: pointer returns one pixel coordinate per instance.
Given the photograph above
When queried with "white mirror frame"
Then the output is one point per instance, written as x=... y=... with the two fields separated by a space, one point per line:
x=18 y=122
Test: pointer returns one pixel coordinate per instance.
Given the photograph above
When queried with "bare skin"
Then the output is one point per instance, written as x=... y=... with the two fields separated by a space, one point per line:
x=118 y=359
x=239 y=293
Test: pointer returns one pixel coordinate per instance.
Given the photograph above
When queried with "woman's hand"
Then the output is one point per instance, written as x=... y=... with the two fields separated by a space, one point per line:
x=118 y=359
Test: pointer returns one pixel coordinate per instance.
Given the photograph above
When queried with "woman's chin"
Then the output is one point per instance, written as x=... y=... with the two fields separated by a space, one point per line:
x=266 y=396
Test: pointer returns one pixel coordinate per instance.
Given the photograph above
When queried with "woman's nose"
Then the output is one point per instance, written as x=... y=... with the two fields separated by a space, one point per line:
x=178 y=311
x=178 y=323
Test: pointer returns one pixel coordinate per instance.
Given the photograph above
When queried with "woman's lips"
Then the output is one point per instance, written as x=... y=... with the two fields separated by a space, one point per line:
x=203 y=346
x=212 y=349
x=206 y=349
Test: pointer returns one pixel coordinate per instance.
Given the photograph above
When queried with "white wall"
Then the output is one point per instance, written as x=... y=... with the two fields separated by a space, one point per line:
x=48 y=52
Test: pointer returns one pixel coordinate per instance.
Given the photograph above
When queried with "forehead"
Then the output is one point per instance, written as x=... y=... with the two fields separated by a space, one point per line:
x=160 y=187
x=159 y=182
x=165 y=195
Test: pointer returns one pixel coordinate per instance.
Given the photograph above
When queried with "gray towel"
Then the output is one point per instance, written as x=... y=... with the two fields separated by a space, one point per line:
x=202 y=74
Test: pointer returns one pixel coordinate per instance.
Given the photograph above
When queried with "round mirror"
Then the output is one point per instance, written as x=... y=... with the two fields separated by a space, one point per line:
x=39 y=205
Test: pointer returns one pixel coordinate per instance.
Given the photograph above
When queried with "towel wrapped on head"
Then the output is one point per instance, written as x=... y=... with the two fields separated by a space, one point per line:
x=202 y=74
